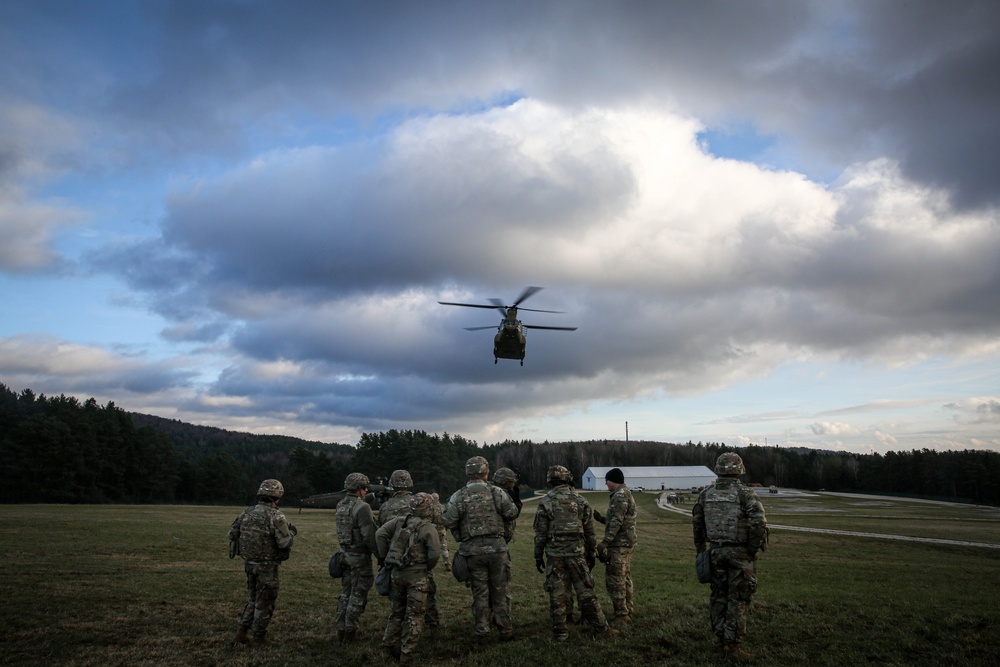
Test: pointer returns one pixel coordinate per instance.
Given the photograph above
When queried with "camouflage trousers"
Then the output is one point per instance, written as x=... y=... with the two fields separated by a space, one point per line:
x=618 y=579
x=354 y=595
x=431 y=615
x=565 y=575
x=734 y=582
x=489 y=581
x=406 y=617
x=262 y=590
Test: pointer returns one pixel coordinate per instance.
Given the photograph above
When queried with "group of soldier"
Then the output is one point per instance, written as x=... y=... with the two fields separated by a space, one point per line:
x=408 y=539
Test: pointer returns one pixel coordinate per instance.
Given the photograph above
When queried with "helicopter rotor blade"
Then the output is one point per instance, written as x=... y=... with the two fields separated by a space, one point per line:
x=498 y=304
x=526 y=294
x=492 y=326
x=467 y=305
x=532 y=326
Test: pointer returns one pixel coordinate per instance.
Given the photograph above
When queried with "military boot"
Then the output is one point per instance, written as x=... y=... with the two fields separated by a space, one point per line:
x=735 y=652
x=241 y=636
x=407 y=658
x=349 y=636
x=259 y=642
x=620 y=622
x=608 y=633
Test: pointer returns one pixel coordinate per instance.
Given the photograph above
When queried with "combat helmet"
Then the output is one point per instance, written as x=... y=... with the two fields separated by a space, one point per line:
x=503 y=476
x=355 y=481
x=271 y=488
x=559 y=474
x=729 y=465
x=400 y=479
x=476 y=466
x=421 y=504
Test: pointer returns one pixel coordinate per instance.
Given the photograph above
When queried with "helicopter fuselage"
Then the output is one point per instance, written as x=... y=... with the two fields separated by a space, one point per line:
x=509 y=342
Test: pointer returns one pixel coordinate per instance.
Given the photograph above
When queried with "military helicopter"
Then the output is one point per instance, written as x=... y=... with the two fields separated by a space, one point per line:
x=509 y=342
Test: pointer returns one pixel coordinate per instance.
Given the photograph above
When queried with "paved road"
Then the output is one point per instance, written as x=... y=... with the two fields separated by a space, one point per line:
x=662 y=503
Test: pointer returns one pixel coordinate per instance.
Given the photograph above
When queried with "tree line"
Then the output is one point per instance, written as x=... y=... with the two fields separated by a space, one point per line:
x=59 y=449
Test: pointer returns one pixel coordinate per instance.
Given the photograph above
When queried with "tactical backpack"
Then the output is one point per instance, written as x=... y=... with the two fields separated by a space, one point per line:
x=565 y=520
x=401 y=546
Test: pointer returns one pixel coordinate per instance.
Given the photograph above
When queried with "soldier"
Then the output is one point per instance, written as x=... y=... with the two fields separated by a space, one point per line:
x=356 y=534
x=437 y=510
x=506 y=479
x=263 y=537
x=476 y=514
x=615 y=550
x=411 y=546
x=564 y=533
x=399 y=505
x=729 y=518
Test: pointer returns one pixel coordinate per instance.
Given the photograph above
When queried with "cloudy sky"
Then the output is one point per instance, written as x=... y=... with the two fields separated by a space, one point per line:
x=771 y=222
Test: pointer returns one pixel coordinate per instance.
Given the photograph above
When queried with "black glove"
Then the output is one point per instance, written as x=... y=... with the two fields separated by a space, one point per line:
x=598 y=517
x=381 y=563
x=591 y=562
x=540 y=565
x=292 y=529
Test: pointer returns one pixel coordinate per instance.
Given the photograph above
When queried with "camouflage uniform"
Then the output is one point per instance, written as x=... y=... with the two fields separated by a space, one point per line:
x=564 y=533
x=356 y=535
x=412 y=559
x=399 y=505
x=506 y=479
x=264 y=538
x=729 y=518
x=476 y=514
x=618 y=544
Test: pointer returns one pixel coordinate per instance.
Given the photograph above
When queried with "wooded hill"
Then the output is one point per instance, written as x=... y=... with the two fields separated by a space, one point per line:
x=58 y=449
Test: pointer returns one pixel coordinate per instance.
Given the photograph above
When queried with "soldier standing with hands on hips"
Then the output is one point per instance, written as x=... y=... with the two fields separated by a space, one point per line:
x=728 y=518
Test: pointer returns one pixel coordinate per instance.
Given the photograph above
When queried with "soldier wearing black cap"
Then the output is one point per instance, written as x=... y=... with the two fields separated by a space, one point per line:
x=615 y=550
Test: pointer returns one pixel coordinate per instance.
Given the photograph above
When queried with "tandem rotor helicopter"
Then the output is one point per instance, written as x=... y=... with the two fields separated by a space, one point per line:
x=509 y=342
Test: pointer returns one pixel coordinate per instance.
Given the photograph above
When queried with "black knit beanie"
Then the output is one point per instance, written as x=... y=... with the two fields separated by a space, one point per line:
x=615 y=475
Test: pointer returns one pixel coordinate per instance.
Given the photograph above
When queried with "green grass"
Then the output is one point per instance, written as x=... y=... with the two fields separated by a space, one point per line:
x=122 y=585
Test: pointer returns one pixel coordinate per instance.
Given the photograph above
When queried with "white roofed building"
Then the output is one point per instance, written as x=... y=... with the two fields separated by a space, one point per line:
x=652 y=478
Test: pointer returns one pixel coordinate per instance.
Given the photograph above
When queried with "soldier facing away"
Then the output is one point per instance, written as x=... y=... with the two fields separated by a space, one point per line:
x=399 y=505
x=728 y=518
x=617 y=546
x=565 y=544
x=356 y=535
x=411 y=546
x=263 y=537
x=476 y=514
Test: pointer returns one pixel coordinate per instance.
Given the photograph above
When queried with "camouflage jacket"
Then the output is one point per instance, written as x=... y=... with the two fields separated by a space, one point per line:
x=397 y=505
x=262 y=533
x=356 y=525
x=619 y=524
x=423 y=548
x=476 y=514
x=729 y=513
x=564 y=524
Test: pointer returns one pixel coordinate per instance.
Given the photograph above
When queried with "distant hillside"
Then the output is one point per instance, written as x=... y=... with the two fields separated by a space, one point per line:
x=185 y=436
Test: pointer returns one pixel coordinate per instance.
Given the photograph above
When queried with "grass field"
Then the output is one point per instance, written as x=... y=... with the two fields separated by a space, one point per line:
x=123 y=585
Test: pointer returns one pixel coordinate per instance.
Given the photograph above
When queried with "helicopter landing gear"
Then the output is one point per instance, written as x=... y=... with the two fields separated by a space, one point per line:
x=522 y=362
x=496 y=359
